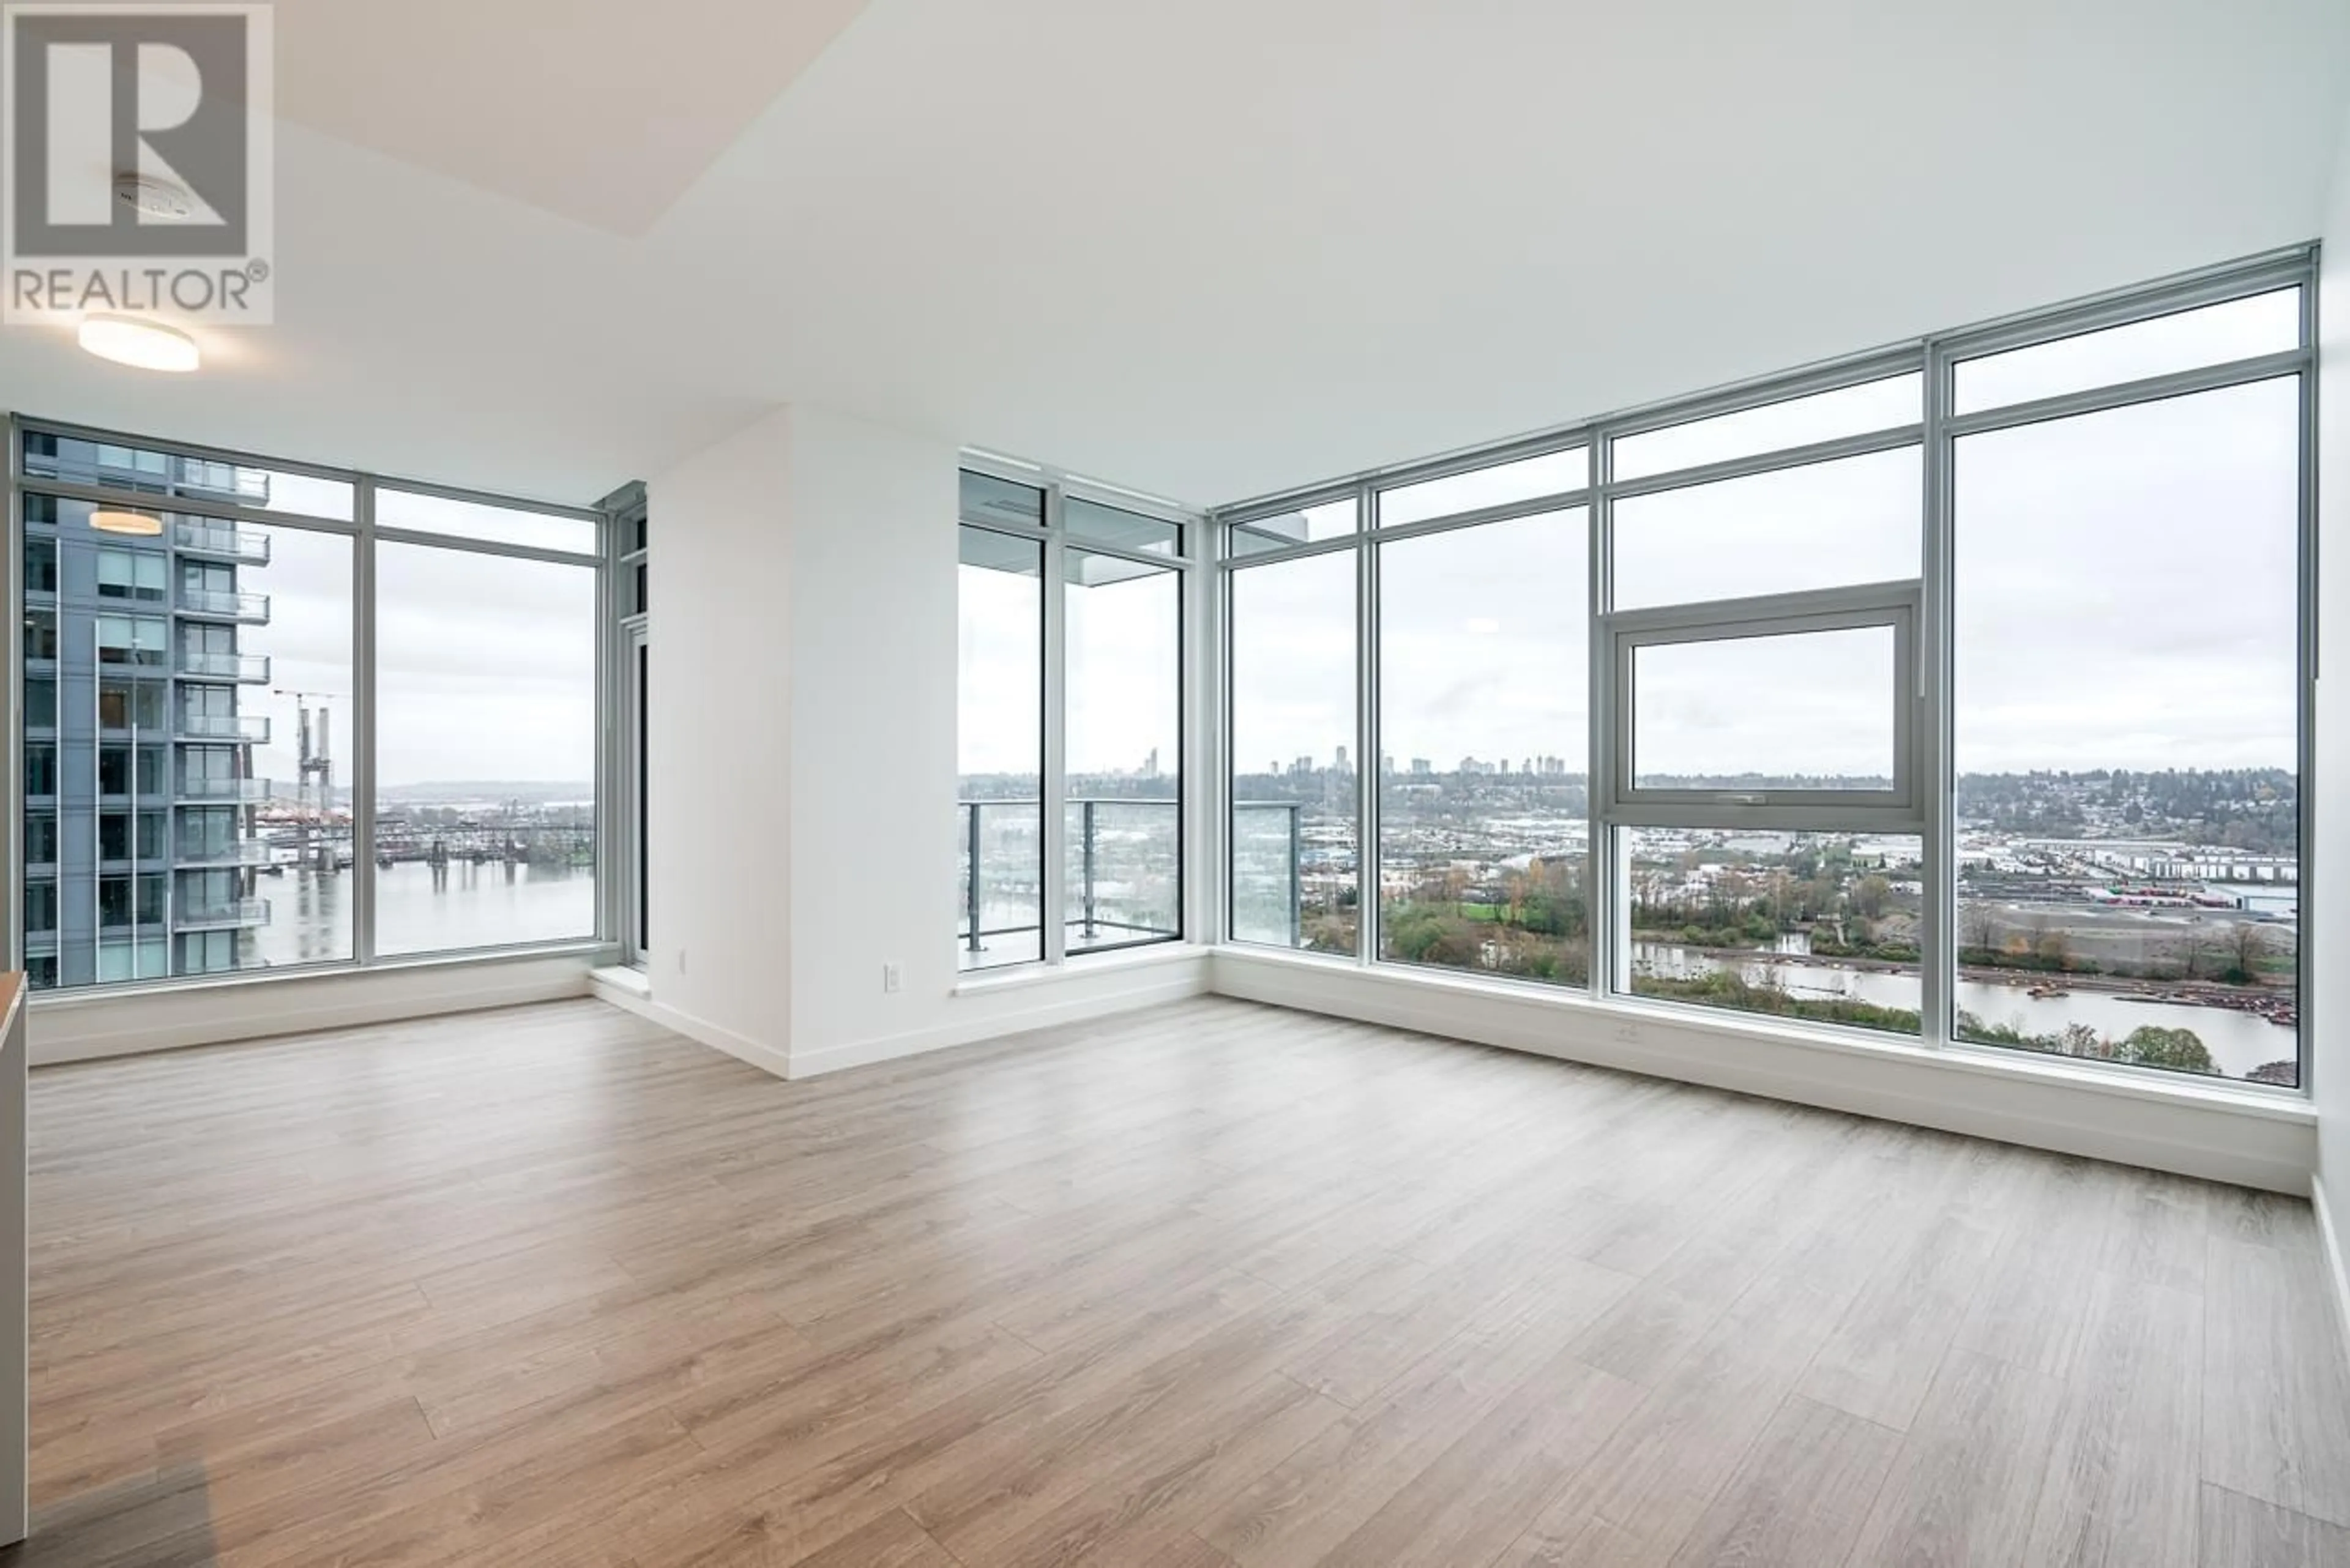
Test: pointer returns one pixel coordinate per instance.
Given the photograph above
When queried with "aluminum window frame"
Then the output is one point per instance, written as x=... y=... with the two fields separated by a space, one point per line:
x=1896 y=606
x=360 y=734
x=1052 y=534
x=1930 y=753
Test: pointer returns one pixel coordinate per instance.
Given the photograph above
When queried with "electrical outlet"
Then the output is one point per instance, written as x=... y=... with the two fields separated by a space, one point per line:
x=892 y=979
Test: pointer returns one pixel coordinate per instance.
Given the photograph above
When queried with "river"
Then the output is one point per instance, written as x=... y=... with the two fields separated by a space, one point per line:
x=474 y=907
x=2239 y=1042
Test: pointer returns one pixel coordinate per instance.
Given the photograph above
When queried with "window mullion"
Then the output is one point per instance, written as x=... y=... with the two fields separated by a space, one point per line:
x=1937 y=909
x=1366 y=739
x=1052 y=812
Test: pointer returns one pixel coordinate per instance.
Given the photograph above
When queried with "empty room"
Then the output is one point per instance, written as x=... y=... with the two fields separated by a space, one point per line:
x=887 y=784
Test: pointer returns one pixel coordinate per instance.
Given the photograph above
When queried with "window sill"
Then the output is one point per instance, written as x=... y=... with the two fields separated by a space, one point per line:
x=2277 y=1104
x=595 y=951
x=1022 y=977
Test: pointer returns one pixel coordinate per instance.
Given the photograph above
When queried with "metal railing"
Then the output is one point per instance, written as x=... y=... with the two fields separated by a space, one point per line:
x=227 y=603
x=215 y=914
x=244 y=728
x=1122 y=881
x=245 y=668
x=225 y=540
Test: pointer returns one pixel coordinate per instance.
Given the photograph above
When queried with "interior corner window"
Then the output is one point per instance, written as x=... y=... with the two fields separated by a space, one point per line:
x=1479 y=755
x=1122 y=694
x=1500 y=484
x=1790 y=530
x=1301 y=525
x=1880 y=405
x=1119 y=529
x=2184 y=341
x=1295 y=823
x=999 y=748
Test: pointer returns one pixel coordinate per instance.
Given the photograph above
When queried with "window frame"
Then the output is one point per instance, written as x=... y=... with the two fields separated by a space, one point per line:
x=1930 y=751
x=1898 y=606
x=358 y=731
x=1052 y=533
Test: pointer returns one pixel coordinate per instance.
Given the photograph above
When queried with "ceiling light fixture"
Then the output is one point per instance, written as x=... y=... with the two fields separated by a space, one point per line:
x=146 y=525
x=136 y=341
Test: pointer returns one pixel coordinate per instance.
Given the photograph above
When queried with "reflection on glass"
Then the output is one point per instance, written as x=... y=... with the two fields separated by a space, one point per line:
x=1483 y=846
x=153 y=472
x=1120 y=529
x=1553 y=473
x=1000 y=749
x=1123 y=734
x=1306 y=526
x=486 y=521
x=2127 y=734
x=1822 y=525
x=1810 y=709
x=486 y=750
x=1818 y=927
x=1883 y=405
x=1296 y=836
x=2211 y=334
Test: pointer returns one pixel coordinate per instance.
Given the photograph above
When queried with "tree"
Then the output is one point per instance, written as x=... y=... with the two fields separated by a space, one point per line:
x=2247 y=948
x=2151 y=1045
x=1869 y=897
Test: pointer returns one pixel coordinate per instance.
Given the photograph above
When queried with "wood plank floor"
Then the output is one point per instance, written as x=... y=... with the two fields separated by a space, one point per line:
x=1205 y=1286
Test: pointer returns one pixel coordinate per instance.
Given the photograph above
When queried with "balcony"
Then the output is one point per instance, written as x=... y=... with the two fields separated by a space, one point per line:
x=221 y=604
x=223 y=540
x=245 y=852
x=244 y=669
x=240 y=729
x=1123 y=885
x=1267 y=853
x=221 y=914
x=200 y=791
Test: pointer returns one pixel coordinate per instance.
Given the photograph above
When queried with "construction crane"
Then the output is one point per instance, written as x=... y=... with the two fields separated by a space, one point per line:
x=318 y=764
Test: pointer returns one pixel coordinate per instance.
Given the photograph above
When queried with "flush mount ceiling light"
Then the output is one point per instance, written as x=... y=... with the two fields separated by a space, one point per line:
x=145 y=524
x=134 y=340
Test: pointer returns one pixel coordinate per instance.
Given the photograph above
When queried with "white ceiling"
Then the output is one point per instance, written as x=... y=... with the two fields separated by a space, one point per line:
x=1201 y=247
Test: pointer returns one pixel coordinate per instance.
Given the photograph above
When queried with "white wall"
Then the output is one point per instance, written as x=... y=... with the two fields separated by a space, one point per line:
x=2328 y=961
x=803 y=785
x=719 y=743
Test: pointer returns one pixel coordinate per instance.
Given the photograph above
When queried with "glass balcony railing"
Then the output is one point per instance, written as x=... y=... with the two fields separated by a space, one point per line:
x=1122 y=887
x=1266 y=854
x=207 y=789
x=225 y=603
x=217 y=914
x=225 y=540
x=242 y=728
x=246 y=668
x=244 y=852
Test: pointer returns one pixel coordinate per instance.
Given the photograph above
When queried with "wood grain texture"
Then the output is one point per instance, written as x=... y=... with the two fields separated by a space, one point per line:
x=1210 y=1286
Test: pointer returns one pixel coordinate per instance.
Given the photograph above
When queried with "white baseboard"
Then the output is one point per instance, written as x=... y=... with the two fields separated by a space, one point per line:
x=2218 y=1134
x=82 y=1028
x=1072 y=998
x=742 y=1047
x=2337 y=1273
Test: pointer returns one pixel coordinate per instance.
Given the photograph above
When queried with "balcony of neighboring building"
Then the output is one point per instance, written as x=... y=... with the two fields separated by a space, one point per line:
x=242 y=853
x=222 y=604
x=221 y=791
x=244 y=669
x=223 y=541
x=233 y=729
x=220 y=914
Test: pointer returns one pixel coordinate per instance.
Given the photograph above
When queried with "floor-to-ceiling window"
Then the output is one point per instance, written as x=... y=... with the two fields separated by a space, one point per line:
x=1069 y=697
x=1954 y=692
x=197 y=719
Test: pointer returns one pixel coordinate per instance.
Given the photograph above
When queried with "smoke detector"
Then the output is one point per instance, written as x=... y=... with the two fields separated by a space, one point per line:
x=156 y=201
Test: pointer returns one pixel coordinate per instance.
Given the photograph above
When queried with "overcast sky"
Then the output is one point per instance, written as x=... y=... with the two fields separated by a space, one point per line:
x=487 y=664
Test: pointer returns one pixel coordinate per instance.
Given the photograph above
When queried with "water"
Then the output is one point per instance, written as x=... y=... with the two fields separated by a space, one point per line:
x=473 y=907
x=2239 y=1042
